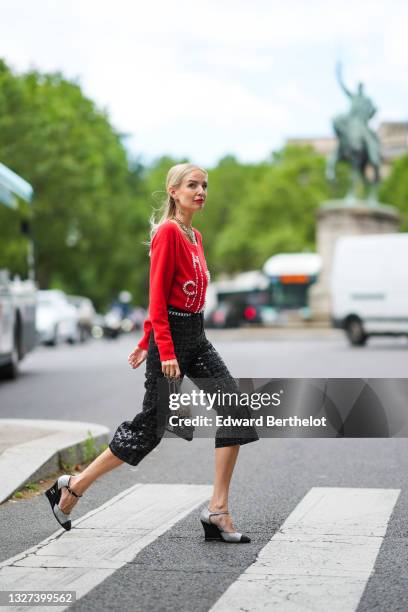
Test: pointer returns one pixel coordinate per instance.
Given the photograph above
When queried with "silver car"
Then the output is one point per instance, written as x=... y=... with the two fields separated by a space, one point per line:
x=56 y=319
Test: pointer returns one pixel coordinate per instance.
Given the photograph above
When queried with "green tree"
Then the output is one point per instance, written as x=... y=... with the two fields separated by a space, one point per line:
x=86 y=211
x=394 y=189
x=229 y=186
x=278 y=213
x=92 y=205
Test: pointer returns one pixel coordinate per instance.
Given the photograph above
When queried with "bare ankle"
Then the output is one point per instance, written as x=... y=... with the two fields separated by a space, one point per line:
x=218 y=507
x=77 y=484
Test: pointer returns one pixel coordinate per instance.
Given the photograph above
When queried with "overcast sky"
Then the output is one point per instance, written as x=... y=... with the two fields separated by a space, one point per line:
x=203 y=79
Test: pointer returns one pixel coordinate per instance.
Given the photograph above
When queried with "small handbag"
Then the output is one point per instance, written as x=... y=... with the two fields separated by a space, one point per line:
x=178 y=428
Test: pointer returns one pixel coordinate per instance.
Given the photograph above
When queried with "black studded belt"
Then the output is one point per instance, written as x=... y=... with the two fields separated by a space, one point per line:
x=181 y=313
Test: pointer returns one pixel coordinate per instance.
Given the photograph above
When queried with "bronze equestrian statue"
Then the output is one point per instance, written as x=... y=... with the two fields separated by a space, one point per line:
x=358 y=144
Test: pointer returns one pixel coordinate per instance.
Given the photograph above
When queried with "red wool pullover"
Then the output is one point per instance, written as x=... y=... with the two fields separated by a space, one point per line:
x=178 y=276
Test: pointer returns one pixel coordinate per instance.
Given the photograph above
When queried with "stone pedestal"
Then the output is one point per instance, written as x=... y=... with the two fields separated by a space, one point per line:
x=337 y=218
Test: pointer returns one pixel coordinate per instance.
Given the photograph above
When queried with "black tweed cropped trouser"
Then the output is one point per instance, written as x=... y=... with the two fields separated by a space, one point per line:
x=201 y=363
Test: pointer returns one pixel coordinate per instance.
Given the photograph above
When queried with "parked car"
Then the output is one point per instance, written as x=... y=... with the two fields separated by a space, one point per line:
x=17 y=322
x=369 y=286
x=86 y=314
x=226 y=314
x=112 y=324
x=252 y=313
x=97 y=330
x=56 y=319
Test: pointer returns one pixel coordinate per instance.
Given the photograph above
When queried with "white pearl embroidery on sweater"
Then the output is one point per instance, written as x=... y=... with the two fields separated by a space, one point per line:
x=190 y=287
x=186 y=284
x=201 y=284
x=190 y=295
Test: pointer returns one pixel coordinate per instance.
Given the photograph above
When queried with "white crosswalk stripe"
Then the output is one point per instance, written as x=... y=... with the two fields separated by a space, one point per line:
x=101 y=541
x=320 y=559
x=322 y=556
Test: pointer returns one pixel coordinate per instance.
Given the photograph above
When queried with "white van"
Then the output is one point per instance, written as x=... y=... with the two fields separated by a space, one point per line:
x=369 y=286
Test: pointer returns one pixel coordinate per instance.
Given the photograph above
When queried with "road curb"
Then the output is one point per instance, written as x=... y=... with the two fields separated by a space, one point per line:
x=68 y=442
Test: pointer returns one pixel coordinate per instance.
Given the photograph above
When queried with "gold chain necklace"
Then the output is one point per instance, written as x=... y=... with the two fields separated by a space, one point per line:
x=187 y=230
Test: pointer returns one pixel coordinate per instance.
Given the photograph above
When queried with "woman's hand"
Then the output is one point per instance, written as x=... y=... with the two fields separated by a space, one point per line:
x=171 y=368
x=137 y=357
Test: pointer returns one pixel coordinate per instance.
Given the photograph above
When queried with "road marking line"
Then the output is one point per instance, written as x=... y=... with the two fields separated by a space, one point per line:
x=321 y=558
x=101 y=541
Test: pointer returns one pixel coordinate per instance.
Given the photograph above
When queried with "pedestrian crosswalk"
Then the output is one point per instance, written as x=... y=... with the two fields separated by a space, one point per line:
x=102 y=541
x=320 y=559
x=322 y=556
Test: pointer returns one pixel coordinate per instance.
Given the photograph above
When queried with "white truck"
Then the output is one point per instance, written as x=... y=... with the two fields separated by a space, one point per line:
x=17 y=297
x=369 y=286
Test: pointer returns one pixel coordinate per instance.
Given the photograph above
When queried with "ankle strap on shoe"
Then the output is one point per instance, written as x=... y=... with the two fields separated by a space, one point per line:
x=211 y=512
x=73 y=492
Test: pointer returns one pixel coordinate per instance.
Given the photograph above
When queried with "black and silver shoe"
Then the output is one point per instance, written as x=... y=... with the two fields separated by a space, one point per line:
x=213 y=532
x=54 y=496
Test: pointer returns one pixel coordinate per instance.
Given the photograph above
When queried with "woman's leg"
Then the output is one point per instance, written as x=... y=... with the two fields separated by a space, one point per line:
x=225 y=459
x=209 y=372
x=132 y=440
x=105 y=462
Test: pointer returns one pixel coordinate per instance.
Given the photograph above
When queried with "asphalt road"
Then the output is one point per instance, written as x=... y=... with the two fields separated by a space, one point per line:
x=179 y=571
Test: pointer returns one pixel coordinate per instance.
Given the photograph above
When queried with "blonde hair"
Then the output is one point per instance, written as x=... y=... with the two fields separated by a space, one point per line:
x=174 y=178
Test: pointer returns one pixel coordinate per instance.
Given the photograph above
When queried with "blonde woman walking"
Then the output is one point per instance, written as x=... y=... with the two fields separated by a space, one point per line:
x=174 y=345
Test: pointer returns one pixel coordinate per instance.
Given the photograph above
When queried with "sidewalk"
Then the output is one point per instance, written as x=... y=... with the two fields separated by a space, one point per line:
x=31 y=449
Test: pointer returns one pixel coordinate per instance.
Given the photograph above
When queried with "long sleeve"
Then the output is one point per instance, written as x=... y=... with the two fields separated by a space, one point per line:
x=162 y=268
x=147 y=328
